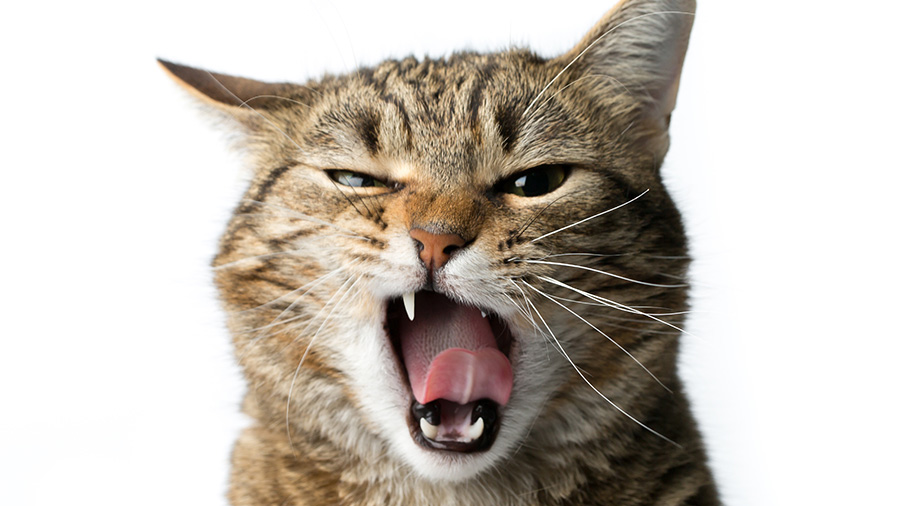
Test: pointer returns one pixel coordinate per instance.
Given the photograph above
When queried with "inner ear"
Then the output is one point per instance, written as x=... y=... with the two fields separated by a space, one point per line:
x=642 y=44
x=224 y=91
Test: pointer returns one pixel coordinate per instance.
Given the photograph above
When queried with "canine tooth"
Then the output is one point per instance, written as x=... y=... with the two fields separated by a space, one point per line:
x=476 y=430
x=483 y=314
x=429 y=430
x=409 y=302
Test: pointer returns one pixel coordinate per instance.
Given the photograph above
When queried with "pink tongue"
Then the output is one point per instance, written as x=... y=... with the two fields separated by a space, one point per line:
x=450 y=353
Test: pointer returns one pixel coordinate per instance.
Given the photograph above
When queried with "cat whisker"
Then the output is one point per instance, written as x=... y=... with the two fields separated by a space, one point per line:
x=286 y=99
x=312 y=341
x=294 y=252
x=582 y=267
x=526 y=313
x=262 y=332
x=541 y=211
x=243 y=104
x=604 y=334
x=306 y=288
x=591 y=385
x=612 y=255
x=590 y=46
x=597 y=304
x=564 y=88
x=613 y=304
x=580 y=79
x=522 y=442
x=246 y=260
x=529 y=315
x=548 y=234
x=603 y=255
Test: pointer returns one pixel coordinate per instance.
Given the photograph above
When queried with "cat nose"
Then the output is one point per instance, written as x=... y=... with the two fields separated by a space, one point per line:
x=435 y=249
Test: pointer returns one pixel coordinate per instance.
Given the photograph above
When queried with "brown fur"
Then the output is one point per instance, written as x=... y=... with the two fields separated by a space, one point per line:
x=304 y=262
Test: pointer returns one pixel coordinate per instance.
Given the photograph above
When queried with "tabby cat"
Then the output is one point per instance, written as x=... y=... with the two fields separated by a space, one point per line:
x=461 y=281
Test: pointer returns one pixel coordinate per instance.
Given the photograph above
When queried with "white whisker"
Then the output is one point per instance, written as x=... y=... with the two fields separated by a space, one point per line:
x=589 y=324
x=287 y=419
x=589 y=384
x=591 y=217
x=591 y=45
x=613 y=304
x=623 y=278
x=243 y=104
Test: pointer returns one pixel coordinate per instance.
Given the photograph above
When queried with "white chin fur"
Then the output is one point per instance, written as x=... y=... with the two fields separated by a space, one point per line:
x=443 y=465
x=385 y=402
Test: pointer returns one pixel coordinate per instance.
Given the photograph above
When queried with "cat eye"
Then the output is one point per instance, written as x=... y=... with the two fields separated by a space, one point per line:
x=355 y=179
x=534 y=182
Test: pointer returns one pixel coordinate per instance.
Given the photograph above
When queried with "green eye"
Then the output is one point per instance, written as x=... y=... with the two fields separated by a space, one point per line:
x=533 y=182
x=355 y=179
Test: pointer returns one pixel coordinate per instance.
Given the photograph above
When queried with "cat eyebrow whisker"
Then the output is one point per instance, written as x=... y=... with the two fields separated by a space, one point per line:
x=554 y=95
x=548 y=234
x=286 y=99
x=580 y=79
x=610 y=274
x=604 y=334
x=591 y=385
x=591 y=45
x=244 y=104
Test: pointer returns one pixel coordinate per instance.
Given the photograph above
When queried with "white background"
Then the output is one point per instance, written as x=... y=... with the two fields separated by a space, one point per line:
x=117 y=384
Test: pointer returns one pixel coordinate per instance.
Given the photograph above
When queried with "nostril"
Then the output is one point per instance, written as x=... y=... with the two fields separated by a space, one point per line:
x=435 y=249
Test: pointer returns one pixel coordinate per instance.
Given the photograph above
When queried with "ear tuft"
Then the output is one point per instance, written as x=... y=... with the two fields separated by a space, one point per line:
x=223 y=91
x=642 y=44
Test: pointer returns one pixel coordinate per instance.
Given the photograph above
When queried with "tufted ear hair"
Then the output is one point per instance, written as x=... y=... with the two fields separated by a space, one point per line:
x=238 y=97
x=641 y=44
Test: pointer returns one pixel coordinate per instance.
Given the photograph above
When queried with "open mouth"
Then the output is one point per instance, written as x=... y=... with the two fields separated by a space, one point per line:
x=456 y=359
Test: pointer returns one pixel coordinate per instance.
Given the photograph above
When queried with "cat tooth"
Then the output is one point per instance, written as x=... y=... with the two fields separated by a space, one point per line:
x=409 y=302
x=483 y=314
x=430 y=431
x=476 y=430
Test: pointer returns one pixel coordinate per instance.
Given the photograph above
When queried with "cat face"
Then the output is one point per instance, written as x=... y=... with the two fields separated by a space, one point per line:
x=445 y=263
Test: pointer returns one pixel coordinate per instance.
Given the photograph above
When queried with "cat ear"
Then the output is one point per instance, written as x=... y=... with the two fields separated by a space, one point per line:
x=641 y=44
x=238 y=97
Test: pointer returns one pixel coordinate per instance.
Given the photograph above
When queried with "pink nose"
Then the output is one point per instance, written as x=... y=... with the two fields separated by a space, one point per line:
x=436 y=248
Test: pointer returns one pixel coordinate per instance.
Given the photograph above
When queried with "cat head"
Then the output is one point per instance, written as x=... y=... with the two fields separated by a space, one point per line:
x=445 y=262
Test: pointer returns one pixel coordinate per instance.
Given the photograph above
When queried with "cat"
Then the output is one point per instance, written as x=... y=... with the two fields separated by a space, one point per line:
x=461 y=280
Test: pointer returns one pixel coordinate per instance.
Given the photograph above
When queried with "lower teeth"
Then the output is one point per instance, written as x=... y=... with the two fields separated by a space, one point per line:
x=476 y=430
x=430 y=431
x=483 y=417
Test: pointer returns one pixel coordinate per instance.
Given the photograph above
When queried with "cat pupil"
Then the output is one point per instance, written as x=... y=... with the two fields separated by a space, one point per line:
x=535 y=182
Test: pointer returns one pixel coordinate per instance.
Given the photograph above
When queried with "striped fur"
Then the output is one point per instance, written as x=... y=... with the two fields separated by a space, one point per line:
x=307 y=267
